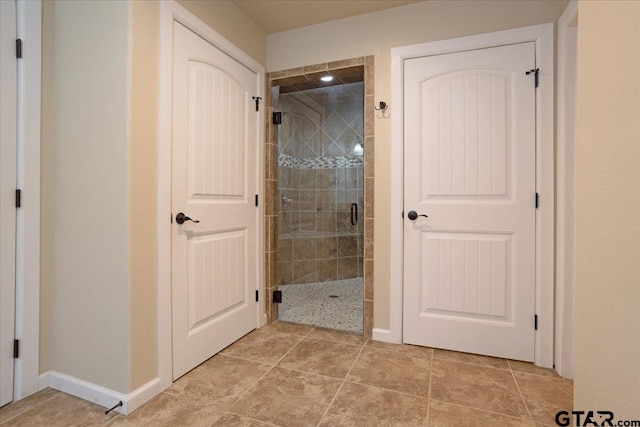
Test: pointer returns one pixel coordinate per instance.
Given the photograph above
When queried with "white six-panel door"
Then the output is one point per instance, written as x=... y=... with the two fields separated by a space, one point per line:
x=470 y=167
x=214 y=139
x=8 y=141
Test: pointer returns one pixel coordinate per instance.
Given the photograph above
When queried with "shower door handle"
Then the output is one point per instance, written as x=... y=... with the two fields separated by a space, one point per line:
x=354 y=213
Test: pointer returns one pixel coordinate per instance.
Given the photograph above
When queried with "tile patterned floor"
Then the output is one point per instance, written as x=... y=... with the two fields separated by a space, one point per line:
x=293 y=375
x=336 y=304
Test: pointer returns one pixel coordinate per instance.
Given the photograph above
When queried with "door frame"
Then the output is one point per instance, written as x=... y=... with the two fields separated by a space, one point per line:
x=9 y=157
x=28 y=217
x=27 y=272
x=171 y=11
x=565 y=245
x=543 y=37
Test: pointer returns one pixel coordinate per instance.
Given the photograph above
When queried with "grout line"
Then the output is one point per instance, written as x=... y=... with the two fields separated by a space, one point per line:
x=342 y=384
x=433 y=353
x=389 y=389
x=113 y=419
x=244 y=392
x=362 y=342
x=481 y=410
x=333 y=342
x=520 y=392
x=308 y=333
x=288 y=351
x=56 y=394
x=242 y=358
x=169 y=393
x=404 y=393
x=398 y=351
x=284 y=322
x=232 y=357
x=474 y=364
x=310 y=373
x=537 y=375
x=247 y=416
x=541 y=376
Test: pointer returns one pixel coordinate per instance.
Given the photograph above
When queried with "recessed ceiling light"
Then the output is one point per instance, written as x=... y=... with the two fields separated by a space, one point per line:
x=358 y=150
x=326 y=78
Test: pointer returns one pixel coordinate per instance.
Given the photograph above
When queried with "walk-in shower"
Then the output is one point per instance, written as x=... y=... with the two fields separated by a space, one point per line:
x=320 y=204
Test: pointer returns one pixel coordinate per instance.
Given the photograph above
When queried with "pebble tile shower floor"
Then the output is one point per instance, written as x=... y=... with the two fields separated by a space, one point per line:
x=333 y=305
x=294 y=375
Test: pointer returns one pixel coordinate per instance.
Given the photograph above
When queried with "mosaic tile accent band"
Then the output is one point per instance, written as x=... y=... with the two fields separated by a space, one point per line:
x=320 y=162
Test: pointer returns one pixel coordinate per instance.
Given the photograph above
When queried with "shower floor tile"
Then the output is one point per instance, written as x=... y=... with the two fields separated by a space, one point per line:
x=333 y=305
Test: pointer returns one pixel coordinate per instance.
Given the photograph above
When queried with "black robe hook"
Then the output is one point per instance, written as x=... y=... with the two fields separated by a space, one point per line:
x=382 y=106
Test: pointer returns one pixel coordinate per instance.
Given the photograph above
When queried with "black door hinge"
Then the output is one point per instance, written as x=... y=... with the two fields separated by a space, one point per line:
x=257 y=99
x=18 y=198
x=256 y=200
x=16 y=349
x=537 y=200
x=257 y=295
x=277 y=297
x=402 y=214
x=18 y=48
x=535 y=72
x=276 y=118
x=535 y=322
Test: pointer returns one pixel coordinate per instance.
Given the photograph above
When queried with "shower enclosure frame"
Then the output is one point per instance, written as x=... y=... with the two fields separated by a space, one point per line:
x=271 y=182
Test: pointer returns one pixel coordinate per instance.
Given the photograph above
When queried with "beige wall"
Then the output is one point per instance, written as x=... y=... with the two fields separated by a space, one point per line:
x=99 y=164
x=85 y=192
x=375 y=34
x=46 y=185
x=607 y=281
x=228 y=20
x=142 y=173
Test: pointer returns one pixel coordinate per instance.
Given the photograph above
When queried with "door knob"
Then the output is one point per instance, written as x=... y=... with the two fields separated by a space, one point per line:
x=181 y=218
x=412 y=215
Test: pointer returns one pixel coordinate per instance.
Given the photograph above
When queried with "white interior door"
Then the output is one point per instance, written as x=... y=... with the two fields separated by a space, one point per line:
x=8 y=143
x=214 y=181
x=469 y=140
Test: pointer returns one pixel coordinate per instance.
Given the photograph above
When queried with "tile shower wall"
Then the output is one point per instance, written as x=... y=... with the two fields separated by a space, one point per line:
x=299 y=76
x=320 y=178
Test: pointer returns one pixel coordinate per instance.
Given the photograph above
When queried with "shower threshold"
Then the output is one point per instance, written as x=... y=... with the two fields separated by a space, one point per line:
x=335 y=305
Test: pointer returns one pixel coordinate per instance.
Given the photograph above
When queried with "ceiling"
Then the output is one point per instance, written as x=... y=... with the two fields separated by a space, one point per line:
x=275 y=16
x=313 y=80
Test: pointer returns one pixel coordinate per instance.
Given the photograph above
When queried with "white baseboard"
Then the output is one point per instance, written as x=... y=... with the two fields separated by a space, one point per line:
x=143 y=394
x=88 y=391
x=385 y=335
x=43 y=381
x=100 y=395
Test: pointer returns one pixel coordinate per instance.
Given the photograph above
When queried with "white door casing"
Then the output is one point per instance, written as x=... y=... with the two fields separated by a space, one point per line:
x=214 y=172
x=470 y=155
x=565 y=244
x=8 y=161
x=20 y=168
